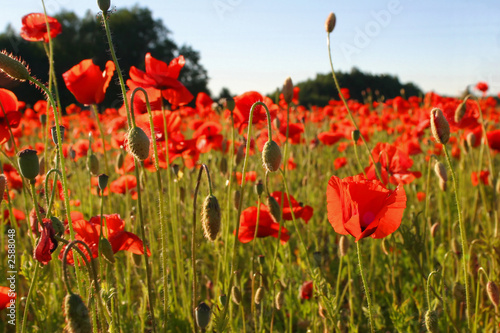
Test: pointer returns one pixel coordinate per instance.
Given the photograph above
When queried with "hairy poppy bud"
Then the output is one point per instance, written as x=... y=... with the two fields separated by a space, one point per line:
x=355 y=135
x=13 y=67
x=471 y=139
x=43 y=119
x=57 y=225
x=434 y=229
x=138 y=143
x=288 y=90
x=230 y=104
x=210 y=218
x=236 y=295
x=431 y=321
x=120 y=159
x=460 y=112
x=240 y=154
x=343 y=246
x=93 y=164
x=104 y=5
x=330 y=23
x=107 y=250
x=440 y=171
x=259 y=188
x=274 y=208
x=493 y=293
x=29 y=166
x=103 y=181
x=271 y=156
x=202 y=314
x=280 y=299
x=223 y=299
x=3 y=184
x=439 y=126
x=77 y=315
x=53 y=133
x=259 y=295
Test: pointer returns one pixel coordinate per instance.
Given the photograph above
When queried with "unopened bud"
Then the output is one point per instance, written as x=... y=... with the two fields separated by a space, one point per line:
x=230 y=104
x=43 y=119
x=57 y=225
x=439 y=126
x=274 y=208
x=355 y=135
x=259 y=188
x=223 y=299
x=330 y=23
x=107 y=250
x=280 y=299
x=138 y=143
x=93 y=164
x=459 y=292
x=3 y=185
x=271 y=156
x=259 y=295
x=434 y=229
x=223 y=166
x=77 y=314
x=288 y=90
x=14 y=68
x=202 y=314
x=493 y=293
x=236 y=295
x=236 y=199
x=210 y=217
x=103 y=181
x=431 y=321
x=471 y=139
x=53 y=132
x=440 y=171
x=343 y=246
x=460 y=112
x=29 y=166
x=104 y=5
x=240 y=154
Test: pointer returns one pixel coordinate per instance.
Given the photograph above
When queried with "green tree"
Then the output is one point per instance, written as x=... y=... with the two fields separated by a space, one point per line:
x=134 y=31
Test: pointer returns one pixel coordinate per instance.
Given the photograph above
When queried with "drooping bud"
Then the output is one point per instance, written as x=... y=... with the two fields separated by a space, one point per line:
x=13 y=67
x=77 y=315
x=259 y=295
x=107 y=250
x=210 y=217
x=343 y=246
x=431 y=321
x=93 y=164
x=439 y=126
x=138 y=143
x=330 y=22
x=53 y=133
x=493 y=293
x=103 y=181
x=202 y=314
x=288 y=90
x=280 y=299
x=3 y=185
x=274 y=208
x=104 y=5
x=271 y=156
x=236 y=295
x=460 y=112
x=29 y=166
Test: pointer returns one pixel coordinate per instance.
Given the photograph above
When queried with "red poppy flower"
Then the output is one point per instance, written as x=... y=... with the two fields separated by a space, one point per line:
x=299 y=210
x=46 y=244
x=9 y=116
x=18 y=215
x=123 y=184
x=6 y=297
x=163 y=77
x=306 y=290
x=207 y=136
x=267 y=226
x=420 y=196
x=340 y=162
x=483 y=177
x=362 y=207
x=121 y=240
x=494 y=139
x=243 y=105
x=87 y=82
x=34 y=28
x=482 y=86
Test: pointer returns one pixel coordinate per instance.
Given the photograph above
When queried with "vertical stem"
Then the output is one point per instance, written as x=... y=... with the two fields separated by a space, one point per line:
x=365 y=285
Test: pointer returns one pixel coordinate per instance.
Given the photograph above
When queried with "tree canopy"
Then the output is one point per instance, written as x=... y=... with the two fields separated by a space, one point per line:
x=134 y=31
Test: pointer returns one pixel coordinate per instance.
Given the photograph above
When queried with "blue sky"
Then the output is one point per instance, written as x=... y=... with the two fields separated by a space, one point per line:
x=254 y=44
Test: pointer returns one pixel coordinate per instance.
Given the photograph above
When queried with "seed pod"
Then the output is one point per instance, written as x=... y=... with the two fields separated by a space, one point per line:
x=202 y=314
x=138 y=143
x=3 y=185
x=288 y=90
x=439 y=126
x=259 y=295
x=103 y=181
x=343 y=246
x=210 y=217
x=14 y=68
x=460 y=112
x=271 y=156
x=29 y=166
x=236 y=295
x=493 y=293
x=431 y=321
x=236 y=199
x=440 y=171
x=104 y=5
x=53 y=133
x=107 y=250
x=330 y=23
x=274 y=208
x=93 y=164
x=280 y=299
x=77 y=315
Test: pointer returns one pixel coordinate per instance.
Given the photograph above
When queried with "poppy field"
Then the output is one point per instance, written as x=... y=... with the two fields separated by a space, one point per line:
x=179 y=213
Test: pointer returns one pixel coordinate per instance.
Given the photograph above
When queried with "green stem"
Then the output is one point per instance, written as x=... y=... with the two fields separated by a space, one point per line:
x=365 y=285
x=28 y=298
x=101 y=132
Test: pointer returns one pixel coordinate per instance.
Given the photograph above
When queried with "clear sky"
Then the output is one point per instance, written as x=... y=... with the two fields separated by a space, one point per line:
x=245 y=45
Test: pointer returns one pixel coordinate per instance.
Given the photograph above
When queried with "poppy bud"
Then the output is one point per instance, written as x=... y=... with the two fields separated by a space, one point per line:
x=259 y=188
x=29 y=166
x=431 y=321
x=104 y=5
x=460 y=112
x=107 y=250
x=210 y=218
x=137 y=259
x=355 y=135
x=343 y=246
x=471 y=139
x=103 y=181
x=271 y=156
x=240 y=154
x=277 y=122
x=53 y=133
x=223 y=166
x=42 y=166
x=230 y=104
x=274 y=208
x=439 y=126
x=288 y=90
x=442 y=185
x=72 y=153
x=202 y=314
x=236 y=199
x=93 y=164
x=223 y=299
x=330 y=23
x=236 y=295
x=493 y=293
x=280 y=299
x=3 y=184
x=13 y=67
x=57 y=225
x=119 y=160
x=383 y=245
x=138 y=143
x=259 y=295
x=434 y=229
x=43 y=119
x=77 y=315
x=440 y=171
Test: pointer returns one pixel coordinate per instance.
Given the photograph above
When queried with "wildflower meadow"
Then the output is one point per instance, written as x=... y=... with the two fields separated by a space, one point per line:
x=178 y=213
